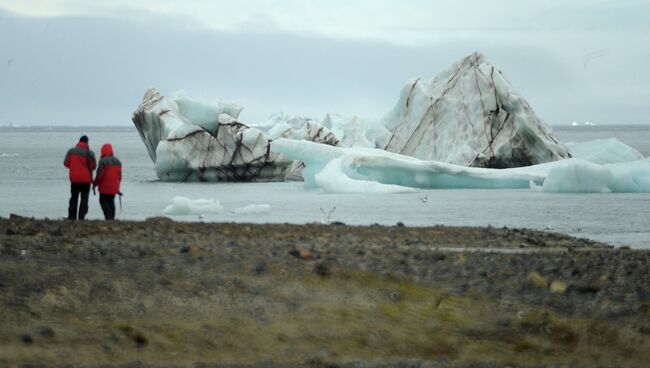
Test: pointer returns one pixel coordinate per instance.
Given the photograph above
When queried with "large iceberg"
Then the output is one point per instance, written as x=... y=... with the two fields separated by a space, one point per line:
x=468 y=115
x=190 y=140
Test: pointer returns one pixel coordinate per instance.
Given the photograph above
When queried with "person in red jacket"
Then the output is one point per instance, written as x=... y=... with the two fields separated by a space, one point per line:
x=80 y=160
x=109 y=176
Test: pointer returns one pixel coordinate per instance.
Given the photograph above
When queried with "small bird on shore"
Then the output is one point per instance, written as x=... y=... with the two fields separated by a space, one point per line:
x=425 y=199
x=326 y=221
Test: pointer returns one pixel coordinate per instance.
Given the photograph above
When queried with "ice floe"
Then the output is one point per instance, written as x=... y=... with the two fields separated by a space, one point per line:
x=338 y=169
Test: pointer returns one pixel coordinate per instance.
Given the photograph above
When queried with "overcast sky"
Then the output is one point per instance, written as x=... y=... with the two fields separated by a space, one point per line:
x=86 y=62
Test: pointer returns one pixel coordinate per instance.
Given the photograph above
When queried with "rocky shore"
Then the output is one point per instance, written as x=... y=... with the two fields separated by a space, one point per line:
x=166 y=294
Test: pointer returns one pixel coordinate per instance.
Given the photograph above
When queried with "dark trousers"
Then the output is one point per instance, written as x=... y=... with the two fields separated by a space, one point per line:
x=107 y=201
x=75 y=191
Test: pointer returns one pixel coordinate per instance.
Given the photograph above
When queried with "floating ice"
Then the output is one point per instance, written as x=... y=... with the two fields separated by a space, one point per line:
x=253 y=209
x=337 y=169
x=179 y=206
x=8 y=155
x=468 y=115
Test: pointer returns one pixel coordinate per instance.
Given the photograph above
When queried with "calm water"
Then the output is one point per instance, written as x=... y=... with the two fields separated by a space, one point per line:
x=33 y=182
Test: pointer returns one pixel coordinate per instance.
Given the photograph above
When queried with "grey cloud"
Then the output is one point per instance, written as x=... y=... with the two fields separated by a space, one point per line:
x=83 y=70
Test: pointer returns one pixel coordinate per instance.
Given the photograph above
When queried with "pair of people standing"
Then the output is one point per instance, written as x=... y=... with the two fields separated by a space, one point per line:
x=81 y=163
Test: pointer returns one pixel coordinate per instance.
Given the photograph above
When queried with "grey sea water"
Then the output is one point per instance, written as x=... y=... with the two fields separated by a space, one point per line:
x=33 y=182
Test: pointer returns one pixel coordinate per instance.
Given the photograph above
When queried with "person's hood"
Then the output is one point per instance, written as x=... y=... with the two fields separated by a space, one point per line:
x=107 y=150
x=82 y=145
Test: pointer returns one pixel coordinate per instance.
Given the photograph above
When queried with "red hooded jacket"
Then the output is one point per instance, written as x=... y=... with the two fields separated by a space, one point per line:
x=109 y=172
x=81 y=162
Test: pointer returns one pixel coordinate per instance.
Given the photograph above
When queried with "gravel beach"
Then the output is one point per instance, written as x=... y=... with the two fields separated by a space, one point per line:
x=167 y=294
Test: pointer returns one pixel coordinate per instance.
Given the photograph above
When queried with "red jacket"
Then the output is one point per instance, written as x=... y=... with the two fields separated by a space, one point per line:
x=81 y=162
x=109 y=172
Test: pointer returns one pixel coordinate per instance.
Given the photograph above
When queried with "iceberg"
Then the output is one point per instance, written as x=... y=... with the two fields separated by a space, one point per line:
x=470 y=115
x=190 y=140
x=467 y=116
x=344 y=170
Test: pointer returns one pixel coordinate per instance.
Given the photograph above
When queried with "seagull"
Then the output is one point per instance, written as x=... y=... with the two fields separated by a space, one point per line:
x=593 y=55
x=326 y=221
x=425 y=199
x=202 y=216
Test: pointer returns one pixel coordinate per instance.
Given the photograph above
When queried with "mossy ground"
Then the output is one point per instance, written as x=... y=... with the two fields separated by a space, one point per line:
x=166 y=295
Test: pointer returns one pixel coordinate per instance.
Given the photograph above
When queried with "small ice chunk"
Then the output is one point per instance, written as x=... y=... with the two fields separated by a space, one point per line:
x=179 y=206
x=254 y=209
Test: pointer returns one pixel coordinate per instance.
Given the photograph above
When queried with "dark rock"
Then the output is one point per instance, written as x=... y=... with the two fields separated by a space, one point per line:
x=323 y=269
x=11 y=232
x=260 y=268
x=27 y=339
x=56 y=231
x=46 y=331
x=135 y=335
x=302 y=253
x=504 y=323
x=644 y=329
x=337 y=223
x=399 y=224
x=159 y=220
x=585 y=289
x=438 y=257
